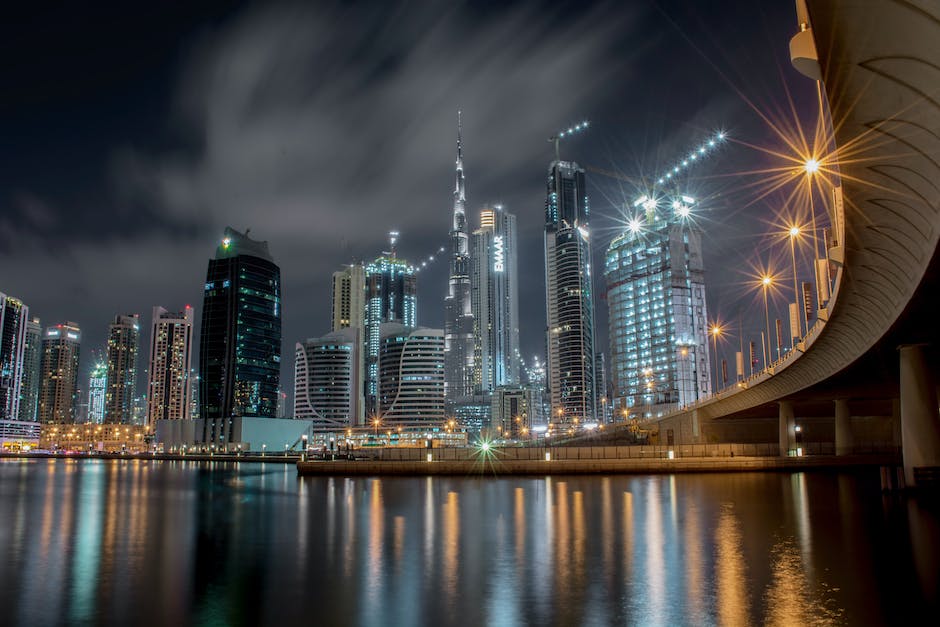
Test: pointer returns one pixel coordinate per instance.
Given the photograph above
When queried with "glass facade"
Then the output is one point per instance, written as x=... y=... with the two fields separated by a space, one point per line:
x=240 y=342
x=391 y=296
x=13 y=319
x=659 y=354
x=569 y=295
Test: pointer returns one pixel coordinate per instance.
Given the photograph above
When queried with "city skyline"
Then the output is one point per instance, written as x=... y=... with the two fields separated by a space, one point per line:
x=632 y=137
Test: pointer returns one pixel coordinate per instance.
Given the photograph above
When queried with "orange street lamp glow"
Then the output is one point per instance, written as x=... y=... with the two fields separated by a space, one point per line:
x=811 y=166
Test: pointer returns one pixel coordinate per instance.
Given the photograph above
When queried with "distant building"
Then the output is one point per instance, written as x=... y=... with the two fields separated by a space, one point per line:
x=458 y=313
x=349 y=293
x=495 y=298
x=473 y=413
x=659 y=353
x=240 y=340
x=58 y=394
x=391 y=296
x=32 y=372
x=169 y=388
x=514 y=410
x=327 y=388
x=97 y=392
x=123 y=348
x=569 y=295
x=411 y=376
x=603 y=403
x=13 y=322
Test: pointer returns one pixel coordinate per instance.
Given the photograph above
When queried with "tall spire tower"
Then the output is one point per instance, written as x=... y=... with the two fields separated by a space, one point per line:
x=458 y=316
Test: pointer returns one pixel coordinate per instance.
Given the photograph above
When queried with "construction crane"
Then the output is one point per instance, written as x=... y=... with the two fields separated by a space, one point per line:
x=695 y=156
x=571 y=130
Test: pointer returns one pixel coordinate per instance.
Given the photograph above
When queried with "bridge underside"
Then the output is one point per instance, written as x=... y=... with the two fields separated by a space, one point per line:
x=880 y=67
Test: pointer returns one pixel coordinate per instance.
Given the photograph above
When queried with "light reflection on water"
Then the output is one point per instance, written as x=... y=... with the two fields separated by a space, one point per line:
x=148 y=542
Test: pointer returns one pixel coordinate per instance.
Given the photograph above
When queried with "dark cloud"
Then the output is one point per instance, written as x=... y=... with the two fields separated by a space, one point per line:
x=321 y=127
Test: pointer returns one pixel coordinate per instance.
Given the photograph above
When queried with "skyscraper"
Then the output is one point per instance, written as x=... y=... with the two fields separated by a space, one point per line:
x=327 y=387
x=97 y=391
x=58 y=393
x=349 y=292
x=240 y=340
x=123 y=346
x=391 y=296
x=411 y=376
x=32 y=362
x=169 y=389
x=458 y=314
x=495 y=299
x=569 y=296
x=659 y=353
x=13 y=321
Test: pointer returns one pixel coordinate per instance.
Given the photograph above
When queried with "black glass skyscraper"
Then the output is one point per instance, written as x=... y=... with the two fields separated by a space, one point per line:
x=569 y=296
x=240 y=341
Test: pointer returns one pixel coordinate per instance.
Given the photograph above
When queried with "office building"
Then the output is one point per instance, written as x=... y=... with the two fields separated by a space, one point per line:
x=515 y=409
x=391 y=297
x=327 y=387
x=14 y=316
x=169 y=387
x=458 y=313
x=58 y=395
x=569 y=296
x=97 y=391
x=123 y=347
x=495 y=299
x=659 y=352
x=32 y=373
x=349 y=293
x=411 y=377
x=240 y=339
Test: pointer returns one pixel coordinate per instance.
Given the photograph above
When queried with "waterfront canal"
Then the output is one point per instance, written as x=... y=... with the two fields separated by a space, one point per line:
x=221 y=543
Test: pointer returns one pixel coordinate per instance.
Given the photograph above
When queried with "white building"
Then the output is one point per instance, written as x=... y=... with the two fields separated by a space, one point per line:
x=495 y=300
x=171 y=360
x=411 y=376
x=327 y=381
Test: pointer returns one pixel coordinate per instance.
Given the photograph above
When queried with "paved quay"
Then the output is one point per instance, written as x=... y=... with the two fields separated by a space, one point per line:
x=493 y=466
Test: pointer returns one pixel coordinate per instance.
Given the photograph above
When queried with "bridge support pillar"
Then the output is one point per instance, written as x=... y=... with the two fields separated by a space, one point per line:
x=787 y=429
x=845 y=439
x=920 y=420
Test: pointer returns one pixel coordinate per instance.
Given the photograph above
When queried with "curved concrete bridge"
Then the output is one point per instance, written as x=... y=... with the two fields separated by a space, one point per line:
x=879 y=61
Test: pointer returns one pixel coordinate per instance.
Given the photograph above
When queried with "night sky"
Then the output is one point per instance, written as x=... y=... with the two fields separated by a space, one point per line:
x=133 y=133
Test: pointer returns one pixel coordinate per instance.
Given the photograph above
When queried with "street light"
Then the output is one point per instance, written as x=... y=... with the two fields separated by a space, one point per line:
x=811 y=167
x=716 y=330
x=766 y=282
x=794 y=233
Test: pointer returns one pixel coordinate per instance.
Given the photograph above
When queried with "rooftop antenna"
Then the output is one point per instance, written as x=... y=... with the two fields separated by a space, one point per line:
x=571 y=130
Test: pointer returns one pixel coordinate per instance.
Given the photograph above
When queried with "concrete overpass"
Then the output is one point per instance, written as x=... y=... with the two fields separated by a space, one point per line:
x=874 y=348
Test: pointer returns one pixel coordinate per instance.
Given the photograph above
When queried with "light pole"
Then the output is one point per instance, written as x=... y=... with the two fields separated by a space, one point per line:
x=716 y=331
x=794 y=232
x=766 y=282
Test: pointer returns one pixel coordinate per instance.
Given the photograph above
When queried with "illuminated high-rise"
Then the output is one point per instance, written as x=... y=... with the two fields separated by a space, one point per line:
x=58 y=395
x=391 y=296
x=123 y=347
x=13 y=322
x=32 y=372
x=458 y=313
x=569 y=295
x=659 y=352
x=240 y=338
x=495 y=298
x=169 y=386
x=97 y=391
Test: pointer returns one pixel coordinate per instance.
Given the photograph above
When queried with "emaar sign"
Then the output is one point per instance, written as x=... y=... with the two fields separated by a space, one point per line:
x=498 y=255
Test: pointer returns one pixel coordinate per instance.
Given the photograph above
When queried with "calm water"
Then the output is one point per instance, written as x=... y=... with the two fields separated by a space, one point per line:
x=179 y=543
